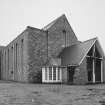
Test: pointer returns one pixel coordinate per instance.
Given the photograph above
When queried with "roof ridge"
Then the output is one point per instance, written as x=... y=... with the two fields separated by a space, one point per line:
x=51 y=23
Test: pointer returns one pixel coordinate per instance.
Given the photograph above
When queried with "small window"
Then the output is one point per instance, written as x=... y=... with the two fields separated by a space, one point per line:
x=64 y=31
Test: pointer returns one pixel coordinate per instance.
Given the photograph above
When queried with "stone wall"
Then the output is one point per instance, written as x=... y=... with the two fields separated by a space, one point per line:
x=81 y=76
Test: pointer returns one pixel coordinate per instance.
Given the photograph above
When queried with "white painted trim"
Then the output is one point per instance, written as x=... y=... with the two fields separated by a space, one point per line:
x=43 y=75
x=61 y=74
x=51 y=81
x=56 y=73
x=93 y=71
x=95 y=57
x=52 y=73
x=101 y=70
x=47 y=74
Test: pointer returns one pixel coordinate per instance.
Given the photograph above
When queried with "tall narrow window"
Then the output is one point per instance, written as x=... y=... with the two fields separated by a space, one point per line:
x=16 y=55
x=8 y=63
x=22 y=46
x=64 y=33
x=5 y=66
x=8 y=59
x=58 y=73
x=2 y=68
x=12 y=59
x=45 y=73
x=54 y=73
x=50 y=73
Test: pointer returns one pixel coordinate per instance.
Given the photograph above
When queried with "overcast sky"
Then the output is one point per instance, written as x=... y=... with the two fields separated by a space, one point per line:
x=87 y=17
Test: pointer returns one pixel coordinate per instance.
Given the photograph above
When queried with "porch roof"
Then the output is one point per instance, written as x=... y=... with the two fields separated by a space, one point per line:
x=73 y=55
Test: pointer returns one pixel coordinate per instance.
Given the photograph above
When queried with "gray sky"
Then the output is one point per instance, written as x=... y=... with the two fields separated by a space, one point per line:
x=87 y=17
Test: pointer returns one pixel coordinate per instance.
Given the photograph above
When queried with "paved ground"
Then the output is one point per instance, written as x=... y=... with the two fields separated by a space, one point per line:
x=12 y=93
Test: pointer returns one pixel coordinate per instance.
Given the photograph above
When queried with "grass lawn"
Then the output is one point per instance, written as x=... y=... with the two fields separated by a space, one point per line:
x=12 y=93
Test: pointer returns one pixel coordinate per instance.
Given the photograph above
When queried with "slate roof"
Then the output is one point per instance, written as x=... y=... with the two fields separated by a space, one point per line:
x=73 y=55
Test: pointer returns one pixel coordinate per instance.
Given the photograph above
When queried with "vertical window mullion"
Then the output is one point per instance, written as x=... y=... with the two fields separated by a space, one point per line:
x=52 y=73
x=45 y=69
x=43 y=74
x=47 y=74
x=56 y=73
x=60 y=74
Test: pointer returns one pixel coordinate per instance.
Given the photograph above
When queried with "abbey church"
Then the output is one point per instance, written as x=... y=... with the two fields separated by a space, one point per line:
x=52 y=54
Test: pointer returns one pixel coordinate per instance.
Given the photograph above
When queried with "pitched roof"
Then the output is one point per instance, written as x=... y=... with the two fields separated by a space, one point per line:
x=74 y=54
x=52 y=23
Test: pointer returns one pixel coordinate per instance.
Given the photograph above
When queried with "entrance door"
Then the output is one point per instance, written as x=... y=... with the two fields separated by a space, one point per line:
x=90 y=69
x=70 y=74
x=98 y=70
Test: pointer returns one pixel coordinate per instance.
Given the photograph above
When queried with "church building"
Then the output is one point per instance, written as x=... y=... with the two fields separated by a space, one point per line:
x=52 y=54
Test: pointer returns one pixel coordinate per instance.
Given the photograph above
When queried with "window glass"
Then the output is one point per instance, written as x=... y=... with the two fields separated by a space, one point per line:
x=45 y=73
x=50 y=73
x=54 y=73
x=58 y=73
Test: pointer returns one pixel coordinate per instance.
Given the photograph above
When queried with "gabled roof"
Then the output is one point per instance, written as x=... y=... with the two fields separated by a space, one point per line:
x=53 y=22
x=74 y=54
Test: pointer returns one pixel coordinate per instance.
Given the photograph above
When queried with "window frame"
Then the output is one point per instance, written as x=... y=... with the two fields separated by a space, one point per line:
x=50 y=74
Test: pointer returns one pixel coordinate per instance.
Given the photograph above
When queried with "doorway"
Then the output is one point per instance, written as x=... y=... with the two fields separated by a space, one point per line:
x=70 y=74
x=90 y=69
x=98 y=70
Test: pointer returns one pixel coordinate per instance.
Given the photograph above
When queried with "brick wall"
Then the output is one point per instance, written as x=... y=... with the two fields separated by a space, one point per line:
x=14 y=61
x=104 y=69
x=43 y=45
x=64 y=75
x=59 y=36
x=37 y=51
x=80 y=76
